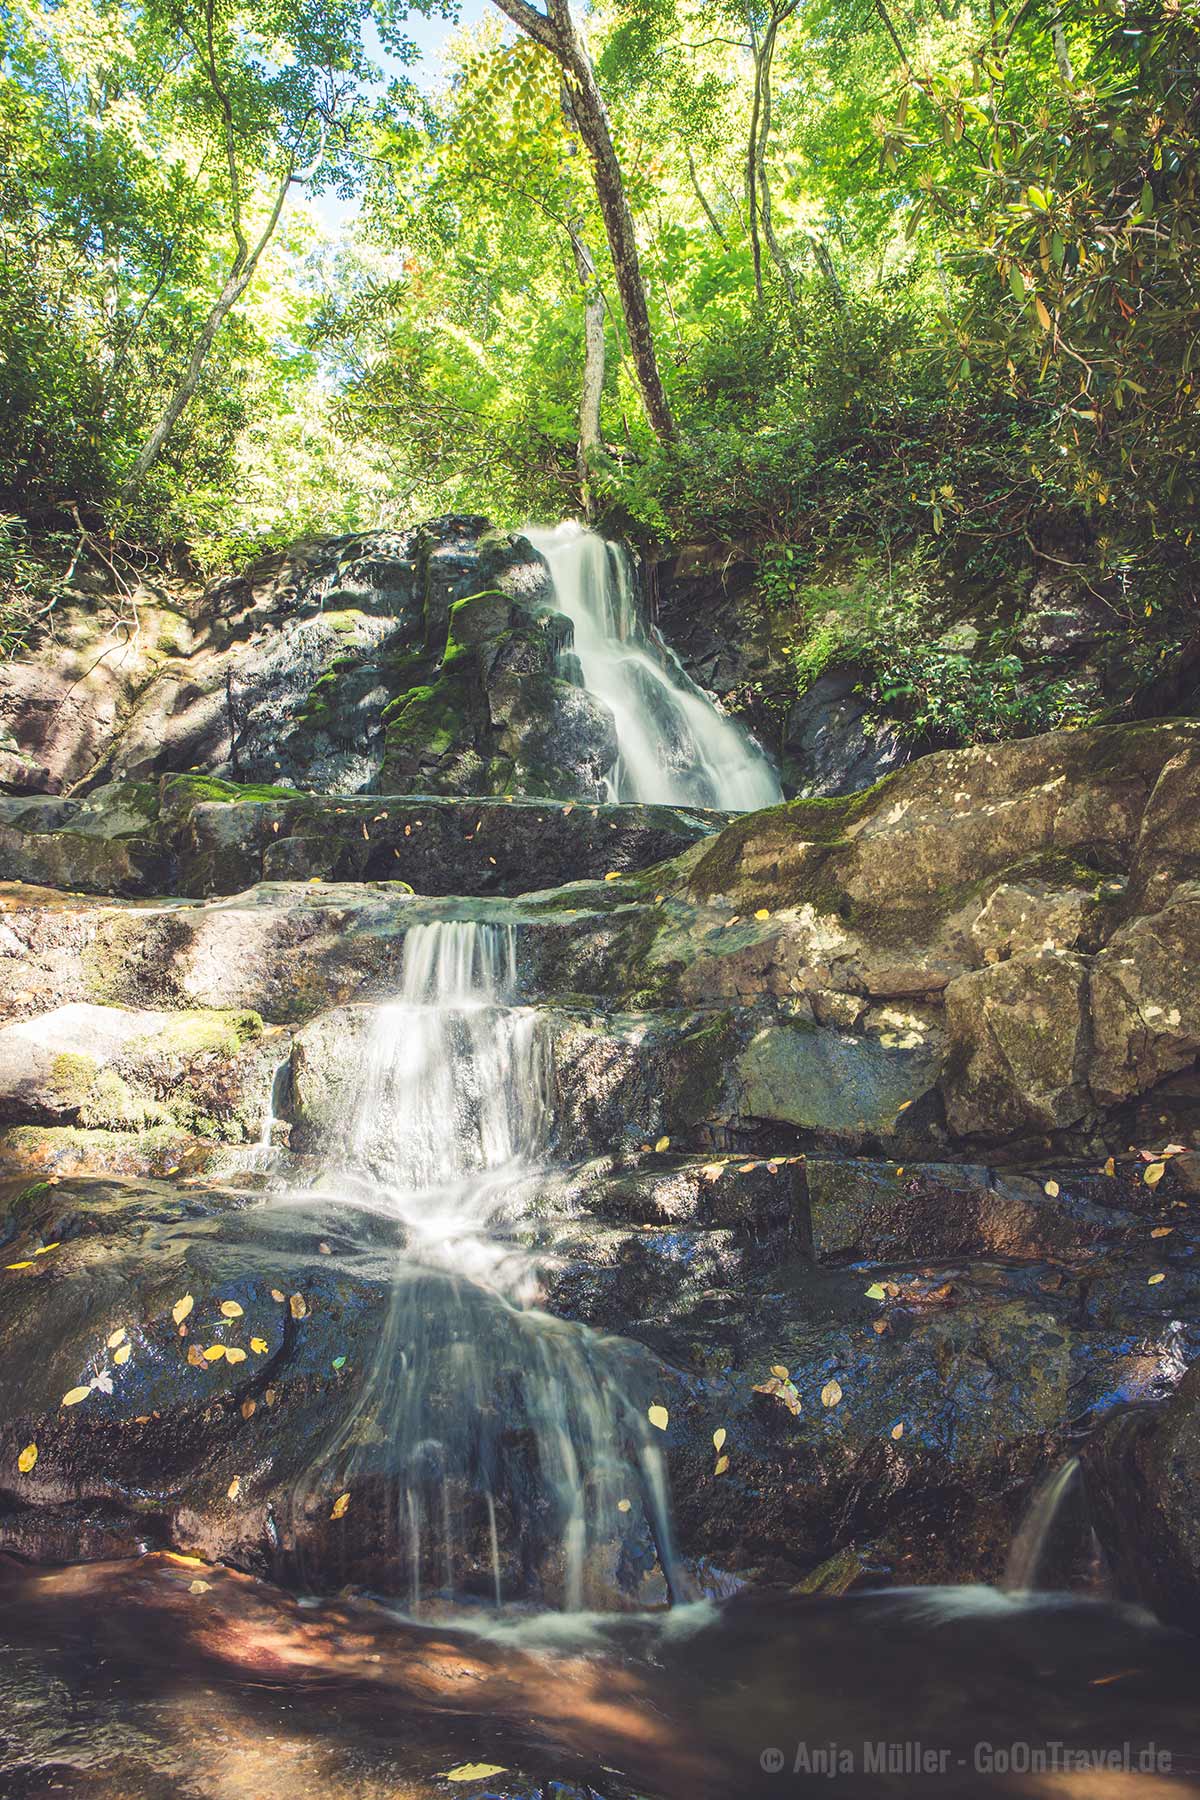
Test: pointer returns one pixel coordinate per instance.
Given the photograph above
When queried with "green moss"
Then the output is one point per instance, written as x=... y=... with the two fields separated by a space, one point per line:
x=181 y=791
x=112 y=1105
x=71 y=1078
x=186 y=1036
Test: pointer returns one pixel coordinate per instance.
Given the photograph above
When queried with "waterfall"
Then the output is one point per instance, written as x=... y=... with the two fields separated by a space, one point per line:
x=1025 y=1555
x=514 y=1458
x=674 y=745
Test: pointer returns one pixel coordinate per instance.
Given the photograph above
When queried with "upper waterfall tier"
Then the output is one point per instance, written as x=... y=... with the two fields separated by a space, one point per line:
x=674 y=745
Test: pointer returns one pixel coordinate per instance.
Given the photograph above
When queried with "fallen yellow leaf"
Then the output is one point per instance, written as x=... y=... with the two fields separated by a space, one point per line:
x=1154 y=1173
x=613 y=875
x=235 y=1487
x=624 y=1505
x=340 y=1507
x=1162 y=1231
x=233 y=1354
x=898 y=1431
x=1110 y=1167
x=259 y=1346
x=719 y=1438
x=1052 y=1189
x=27 y=1458
x=474 y=1771
x=876 y=1291
x=199 y=1587
x=297 y=1306
x=722 y=1465
x=20 y=1265
x=1155 y=1279
x=230 y=1309
x=658 y=1416
x=780 y=1373
x=762 y=913
x=47 y=1248
x=122 y=1353
x=249 y=1408
x=182 y=1308
x=831 y=1393
x=74 y=1395
x=195 y=1356
x=664 y=1143
x=116 y=1337
x=214 y=1353
x=277 y=1295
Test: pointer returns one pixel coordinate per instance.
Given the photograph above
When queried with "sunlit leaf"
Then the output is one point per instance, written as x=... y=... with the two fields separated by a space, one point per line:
x=1052 y=1188
x=876 y=1291
x=664 y=1143
x=74 y=1395
x=474 y=1771
x=340 y=1507
x=122 y=1353
x=116 y=1337
x=27 y=1458
x=1155 y=1279
x=658 y=1416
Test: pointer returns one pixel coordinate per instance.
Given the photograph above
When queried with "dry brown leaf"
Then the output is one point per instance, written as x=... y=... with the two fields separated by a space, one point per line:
x=249 y=1408
x=195 y=1356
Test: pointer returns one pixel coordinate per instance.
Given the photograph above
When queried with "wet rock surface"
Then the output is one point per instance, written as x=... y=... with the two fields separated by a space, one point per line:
x=855 y=1105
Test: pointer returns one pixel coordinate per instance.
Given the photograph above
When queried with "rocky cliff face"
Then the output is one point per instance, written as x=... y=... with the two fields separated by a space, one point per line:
x=895 y=1093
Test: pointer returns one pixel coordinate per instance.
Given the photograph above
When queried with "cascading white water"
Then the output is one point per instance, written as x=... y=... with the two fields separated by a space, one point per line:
x=517 y=1459
x=675 y=746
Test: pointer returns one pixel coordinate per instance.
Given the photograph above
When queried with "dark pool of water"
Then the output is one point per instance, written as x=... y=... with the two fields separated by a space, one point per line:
x=161 y=1678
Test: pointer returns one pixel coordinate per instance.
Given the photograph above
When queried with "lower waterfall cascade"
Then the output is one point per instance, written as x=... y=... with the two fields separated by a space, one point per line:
x=526 y=1468
x=675 y=747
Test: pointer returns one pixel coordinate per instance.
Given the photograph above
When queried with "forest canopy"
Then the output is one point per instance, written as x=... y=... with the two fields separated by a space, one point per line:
x=835 y=279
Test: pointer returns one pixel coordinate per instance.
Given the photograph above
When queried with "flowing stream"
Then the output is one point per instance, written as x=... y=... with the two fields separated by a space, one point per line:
x=520 y=1463
x=675 y=746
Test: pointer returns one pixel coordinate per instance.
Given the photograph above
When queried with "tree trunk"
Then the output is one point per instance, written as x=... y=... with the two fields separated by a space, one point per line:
x=241 y=273
x=593 y=368
x=555 y=31
x=774 y=246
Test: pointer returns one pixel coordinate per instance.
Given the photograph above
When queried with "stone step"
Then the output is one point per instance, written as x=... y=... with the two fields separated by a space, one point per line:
x=202 y=837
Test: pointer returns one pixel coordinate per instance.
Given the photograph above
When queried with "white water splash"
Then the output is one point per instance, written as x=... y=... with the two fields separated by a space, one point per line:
x=675 y=746
x=520 y=1461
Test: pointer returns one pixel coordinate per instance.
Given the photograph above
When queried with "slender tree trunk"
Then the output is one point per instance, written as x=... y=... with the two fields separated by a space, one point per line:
x=774 y=246
x=555 y=31
x=707 y=210
x=752 y=166
x=593 y=367
x=241 y=273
